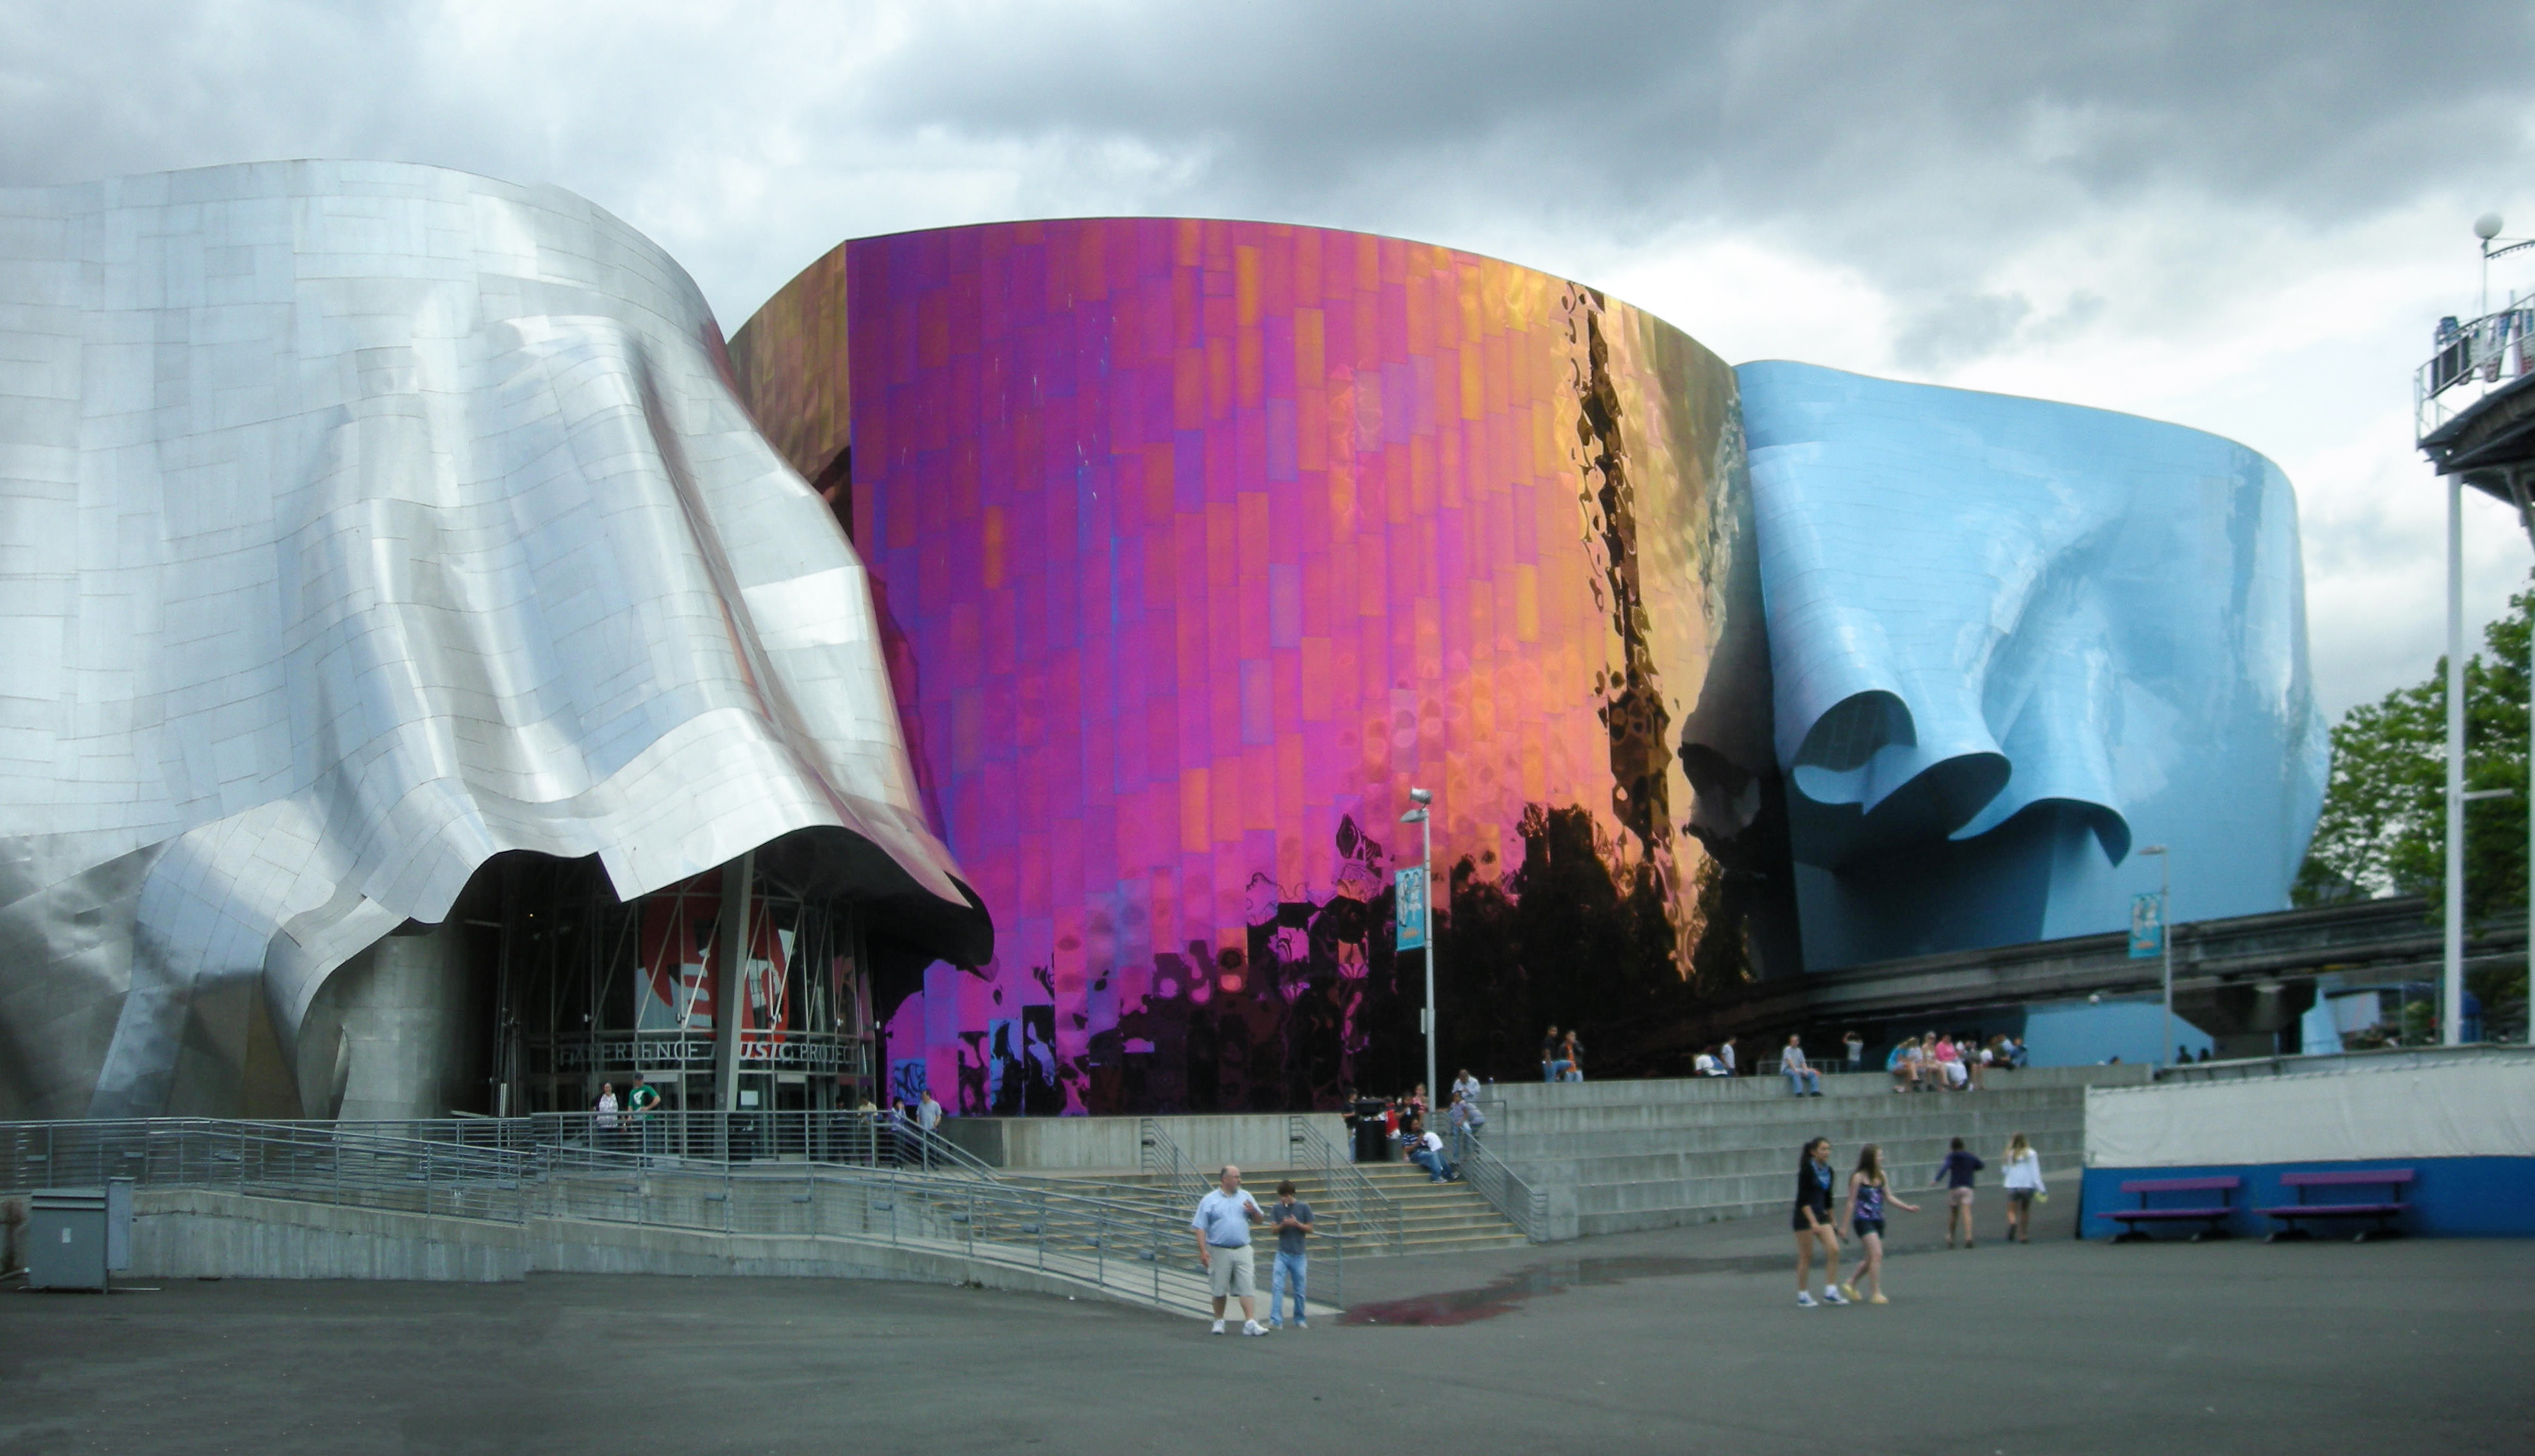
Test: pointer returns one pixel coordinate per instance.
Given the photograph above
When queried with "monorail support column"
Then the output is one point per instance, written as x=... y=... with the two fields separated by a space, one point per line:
x=730 y=992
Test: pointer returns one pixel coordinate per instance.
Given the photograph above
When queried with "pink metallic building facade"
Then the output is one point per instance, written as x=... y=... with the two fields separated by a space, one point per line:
x=1195 y=545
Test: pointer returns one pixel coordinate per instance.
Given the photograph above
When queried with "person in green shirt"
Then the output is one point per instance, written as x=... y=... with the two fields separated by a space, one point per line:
x=641 y=1099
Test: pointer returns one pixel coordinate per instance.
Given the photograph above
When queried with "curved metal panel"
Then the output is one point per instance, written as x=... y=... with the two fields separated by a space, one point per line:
x=1198 y=544
x=2012 y=639
x=364 y=520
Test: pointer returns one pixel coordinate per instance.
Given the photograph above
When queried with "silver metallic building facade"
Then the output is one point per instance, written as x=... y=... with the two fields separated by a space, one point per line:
x=362 y=525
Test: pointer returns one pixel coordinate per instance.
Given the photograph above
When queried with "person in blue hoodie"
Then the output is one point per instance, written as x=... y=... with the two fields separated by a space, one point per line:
x=1955 y=1174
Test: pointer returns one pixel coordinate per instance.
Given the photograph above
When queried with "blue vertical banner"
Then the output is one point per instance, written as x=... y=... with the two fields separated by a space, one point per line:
x=1408 y=899
x=2148 y=926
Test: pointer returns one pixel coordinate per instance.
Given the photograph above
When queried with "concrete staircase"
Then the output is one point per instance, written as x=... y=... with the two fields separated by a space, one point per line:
x=1624 y=1156
x=1435 y=1218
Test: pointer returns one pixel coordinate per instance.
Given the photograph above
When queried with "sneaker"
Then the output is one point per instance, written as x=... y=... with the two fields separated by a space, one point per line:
x=1275 y=1324
x=1254 y=1327
x=1302 y=1324
x=1833 y=1296
x=1218 y=1328
x=1804 y=1300
x=1878 y=1300
x=1849 y=1289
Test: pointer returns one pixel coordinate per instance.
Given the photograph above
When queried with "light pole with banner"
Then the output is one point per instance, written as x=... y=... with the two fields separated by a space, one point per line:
x=2152 y=934
x=1413 y=903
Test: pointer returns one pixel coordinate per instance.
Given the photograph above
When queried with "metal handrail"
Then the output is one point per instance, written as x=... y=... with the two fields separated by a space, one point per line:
x=1524 y=1206
x=1123 y=1247
x=1159 y=1156
x=305 y=1162
x=1366 y=1204
x=842 y=1137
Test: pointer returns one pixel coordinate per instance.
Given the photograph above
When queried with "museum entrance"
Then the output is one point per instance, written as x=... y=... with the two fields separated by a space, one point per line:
x=594 y=990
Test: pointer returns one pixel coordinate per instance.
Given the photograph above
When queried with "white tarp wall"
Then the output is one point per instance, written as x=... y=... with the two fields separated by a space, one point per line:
x=2362 y=1112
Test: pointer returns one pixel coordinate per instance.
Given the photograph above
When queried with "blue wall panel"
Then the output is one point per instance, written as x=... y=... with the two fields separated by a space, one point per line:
x=2012 y=642
x=2489 y=1197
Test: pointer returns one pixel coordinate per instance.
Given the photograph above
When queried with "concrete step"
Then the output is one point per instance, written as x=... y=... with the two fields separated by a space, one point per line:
x=1627 y=1156
x=1629 y=1208
x=1434 y=1217
x=1777 y=1111
x=1978 y=1131
x=1531 y=1096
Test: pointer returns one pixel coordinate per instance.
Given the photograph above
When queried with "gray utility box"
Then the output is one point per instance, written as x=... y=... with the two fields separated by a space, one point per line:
x=66 y=1238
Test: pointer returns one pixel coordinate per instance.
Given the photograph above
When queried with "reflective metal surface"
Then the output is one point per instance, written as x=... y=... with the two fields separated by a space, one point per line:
x=2013 y=639
x=357 y=522
x=1198 y=543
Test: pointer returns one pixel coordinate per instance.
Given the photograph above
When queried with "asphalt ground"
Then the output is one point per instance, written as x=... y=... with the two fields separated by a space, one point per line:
x=1679 y=1341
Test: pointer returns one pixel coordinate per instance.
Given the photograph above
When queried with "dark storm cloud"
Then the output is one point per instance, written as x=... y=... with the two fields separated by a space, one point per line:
x=1916 y=150
x=2123 y=195
x=1873 y=127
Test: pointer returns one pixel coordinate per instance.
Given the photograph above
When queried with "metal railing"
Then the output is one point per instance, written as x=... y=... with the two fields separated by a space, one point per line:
x=1160 y=1157
x=1363 y=1204
x=1130 y=1248
x=1523 y=1206
x=481 y=1169
x=2473 y=360
x=838 y=1138
x=352 y=1164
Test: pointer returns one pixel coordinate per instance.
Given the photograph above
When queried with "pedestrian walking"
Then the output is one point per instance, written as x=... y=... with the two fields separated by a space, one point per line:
x=2024 y=1188
x=1955 y=1173
x=1291 y=1218
x=1467 y=1119
x=1815 y=1231
x=1802 y=1079
x=1868 y=1193
x=1222 y=1228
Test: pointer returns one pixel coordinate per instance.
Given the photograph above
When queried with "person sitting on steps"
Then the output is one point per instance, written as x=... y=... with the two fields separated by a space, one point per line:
x=1802 y=1079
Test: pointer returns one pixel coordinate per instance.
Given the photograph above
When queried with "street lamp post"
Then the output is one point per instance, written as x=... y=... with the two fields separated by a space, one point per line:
x=2165 y=938
x=1425 y=822
x=2451 y=958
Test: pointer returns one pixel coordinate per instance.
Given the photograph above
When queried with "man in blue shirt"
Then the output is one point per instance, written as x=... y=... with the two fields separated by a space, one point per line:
x=1802 y=1079
x=1223 y=1229
x=1292 y=1220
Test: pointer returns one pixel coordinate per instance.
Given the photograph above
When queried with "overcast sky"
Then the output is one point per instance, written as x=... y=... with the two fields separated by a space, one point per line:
x=2240 y=216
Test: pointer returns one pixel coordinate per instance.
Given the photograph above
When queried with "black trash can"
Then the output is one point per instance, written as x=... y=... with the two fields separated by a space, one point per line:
x=1372 y=1139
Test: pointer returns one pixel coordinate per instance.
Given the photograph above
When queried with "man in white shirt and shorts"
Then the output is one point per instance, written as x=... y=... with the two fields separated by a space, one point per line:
x=1223 y=1229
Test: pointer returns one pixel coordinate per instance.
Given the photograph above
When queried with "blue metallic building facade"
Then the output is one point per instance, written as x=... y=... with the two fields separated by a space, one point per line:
x=2014 y=641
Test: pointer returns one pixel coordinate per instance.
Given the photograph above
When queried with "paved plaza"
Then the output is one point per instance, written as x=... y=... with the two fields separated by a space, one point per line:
x=1684 y=1340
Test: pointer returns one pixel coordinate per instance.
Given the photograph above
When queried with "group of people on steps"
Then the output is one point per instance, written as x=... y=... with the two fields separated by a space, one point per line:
x=1870 y=1194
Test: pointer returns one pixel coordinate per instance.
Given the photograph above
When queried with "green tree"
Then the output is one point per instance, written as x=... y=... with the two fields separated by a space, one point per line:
x=2384 y=826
